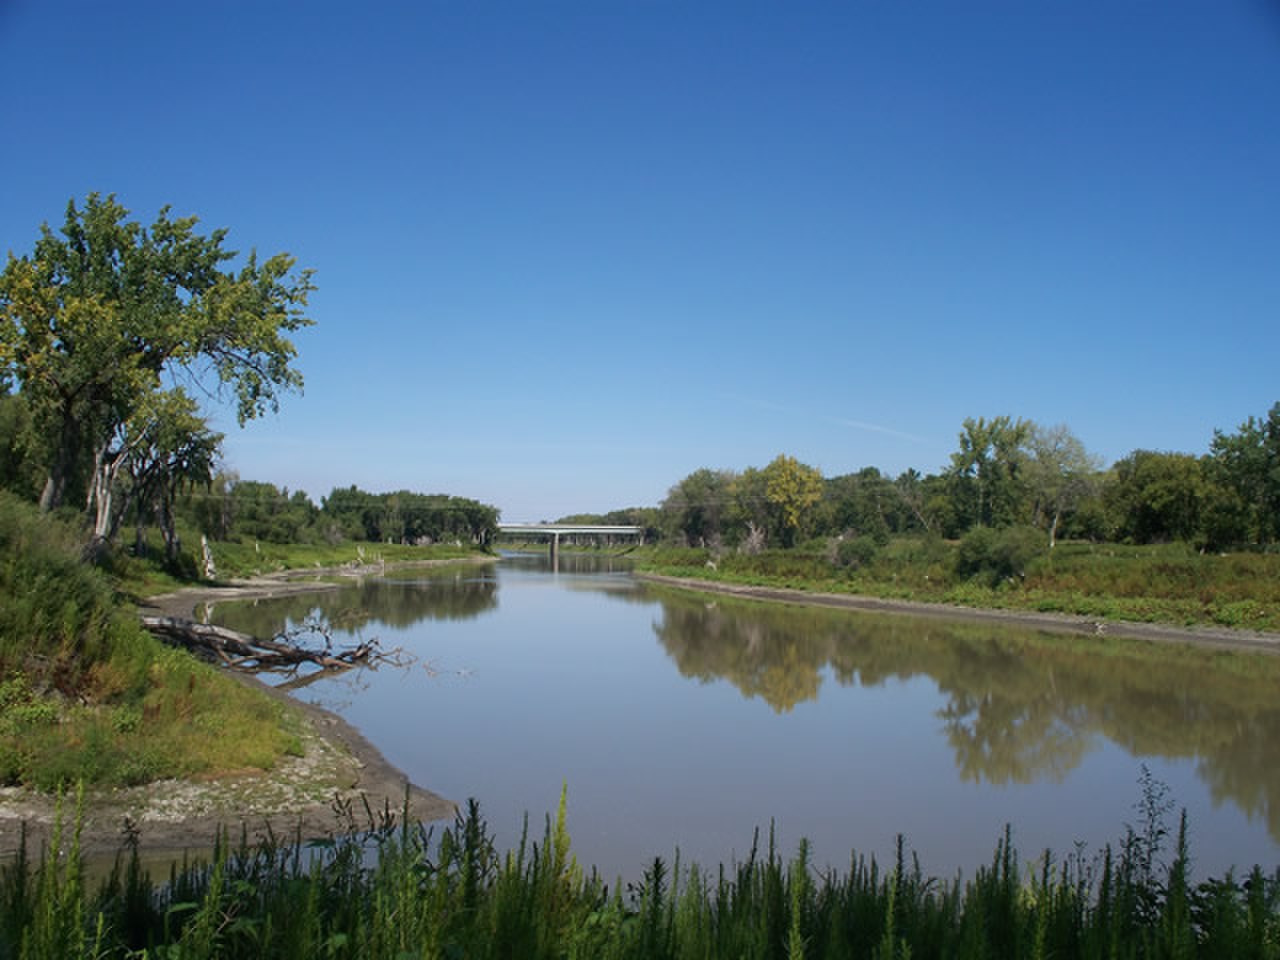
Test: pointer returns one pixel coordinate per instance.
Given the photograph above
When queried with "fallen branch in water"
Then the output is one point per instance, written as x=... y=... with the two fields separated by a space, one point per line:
x=284 y=653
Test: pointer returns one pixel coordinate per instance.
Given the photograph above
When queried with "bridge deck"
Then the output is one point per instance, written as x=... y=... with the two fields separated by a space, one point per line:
x=562 y=529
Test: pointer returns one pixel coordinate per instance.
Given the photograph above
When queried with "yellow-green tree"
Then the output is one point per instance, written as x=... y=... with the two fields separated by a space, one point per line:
x=792 y=490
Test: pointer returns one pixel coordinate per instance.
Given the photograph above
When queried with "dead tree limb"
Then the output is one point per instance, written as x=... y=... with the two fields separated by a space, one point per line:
x=247 y=652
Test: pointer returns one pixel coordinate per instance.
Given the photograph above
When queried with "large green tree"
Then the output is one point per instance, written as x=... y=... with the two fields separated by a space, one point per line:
x=988 y=471
x=165 y=448
x=104 y=313
x=695 y=508
x=865 y=503
x=1248 y=463
x=1061 y=473
x=1155 y=496
x=912 y=491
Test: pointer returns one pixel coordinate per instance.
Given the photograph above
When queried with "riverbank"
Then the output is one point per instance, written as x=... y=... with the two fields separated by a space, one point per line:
x=336 y=782
x=1215 y=637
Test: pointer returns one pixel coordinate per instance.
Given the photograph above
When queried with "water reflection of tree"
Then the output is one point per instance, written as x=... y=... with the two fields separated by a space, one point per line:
x=778 y=664
x=460 y=595
x=1021 y=705
x=1002 y=740
x=1246 y=773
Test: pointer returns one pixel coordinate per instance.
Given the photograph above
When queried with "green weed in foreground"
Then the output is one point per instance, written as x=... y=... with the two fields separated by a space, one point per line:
x=391 y=891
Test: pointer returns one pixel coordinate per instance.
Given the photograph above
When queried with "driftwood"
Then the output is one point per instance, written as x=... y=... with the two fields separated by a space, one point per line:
x=280 y=654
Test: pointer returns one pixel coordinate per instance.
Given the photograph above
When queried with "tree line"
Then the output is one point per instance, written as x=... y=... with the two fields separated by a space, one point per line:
x=1005 y=473
x=233 y=509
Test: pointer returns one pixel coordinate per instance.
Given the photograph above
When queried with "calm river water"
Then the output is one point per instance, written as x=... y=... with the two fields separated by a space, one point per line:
x=686 y=720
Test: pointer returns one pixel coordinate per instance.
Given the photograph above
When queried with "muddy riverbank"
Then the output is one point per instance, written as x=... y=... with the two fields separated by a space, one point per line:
x=1217 y=637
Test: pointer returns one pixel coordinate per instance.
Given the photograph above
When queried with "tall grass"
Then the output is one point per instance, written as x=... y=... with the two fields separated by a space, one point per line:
x=392 y=890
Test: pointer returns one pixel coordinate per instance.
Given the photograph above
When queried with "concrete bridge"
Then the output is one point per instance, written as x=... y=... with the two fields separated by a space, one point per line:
x=554 y=531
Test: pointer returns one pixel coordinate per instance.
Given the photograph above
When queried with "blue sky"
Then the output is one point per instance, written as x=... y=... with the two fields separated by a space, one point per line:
x=566 y=253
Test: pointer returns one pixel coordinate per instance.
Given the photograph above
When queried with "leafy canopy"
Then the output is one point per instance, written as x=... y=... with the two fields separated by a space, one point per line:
x=102 y=311
x=793 y=488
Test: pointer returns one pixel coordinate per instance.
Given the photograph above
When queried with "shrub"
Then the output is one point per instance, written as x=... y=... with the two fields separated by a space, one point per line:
x=20 y=709
x=996 y=555
x=855 y=553
x=54 y=609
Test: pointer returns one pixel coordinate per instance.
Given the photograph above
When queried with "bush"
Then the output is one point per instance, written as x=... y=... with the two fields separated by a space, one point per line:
x=995 y=555
x=54 y=609
x=858 y=552
x=21 y=709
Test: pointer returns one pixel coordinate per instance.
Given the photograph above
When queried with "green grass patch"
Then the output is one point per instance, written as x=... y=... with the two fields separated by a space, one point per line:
x=254 y=559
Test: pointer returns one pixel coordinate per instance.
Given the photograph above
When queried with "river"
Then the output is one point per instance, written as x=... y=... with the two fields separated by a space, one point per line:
x=682 y=720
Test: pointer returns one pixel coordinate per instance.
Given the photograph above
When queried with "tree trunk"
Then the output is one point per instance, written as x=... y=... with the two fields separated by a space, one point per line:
x=64 y=458
x=168 y=529
x=102 y=503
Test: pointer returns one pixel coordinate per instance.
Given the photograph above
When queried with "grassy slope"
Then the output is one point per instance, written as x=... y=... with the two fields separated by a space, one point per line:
x=234 y=561
x=1166 y=584
x=86 y=694
x=250 y=559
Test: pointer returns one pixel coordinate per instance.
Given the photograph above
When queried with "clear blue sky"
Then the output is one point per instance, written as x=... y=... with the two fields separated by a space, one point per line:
x=569 y=252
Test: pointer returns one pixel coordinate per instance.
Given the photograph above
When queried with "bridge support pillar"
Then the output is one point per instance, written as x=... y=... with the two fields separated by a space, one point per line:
x=555 y=549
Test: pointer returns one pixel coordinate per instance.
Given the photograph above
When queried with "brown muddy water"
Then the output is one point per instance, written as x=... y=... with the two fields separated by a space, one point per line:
x=681 y=720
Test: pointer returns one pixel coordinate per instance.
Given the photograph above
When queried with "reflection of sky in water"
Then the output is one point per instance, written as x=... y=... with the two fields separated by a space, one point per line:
x=836 y=726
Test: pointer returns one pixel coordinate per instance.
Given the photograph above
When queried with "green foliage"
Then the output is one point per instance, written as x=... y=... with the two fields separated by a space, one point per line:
x=58 y=618
x=989 y=471
x=1061 y=475
x=792 y=489
x=101 y=311
x=408 y=517
x=856 y=553
x=1171 y=583
x=234 y=509
x=697 y=509
x=252 y=559
x=1005 y=472
x=998 y=555
x=1247 y=463
x=388 y=890
x=20 y=708
x=19 y=471
x=867 y=504
x=87 y=695
x=165 y=447
x=1156 y=497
